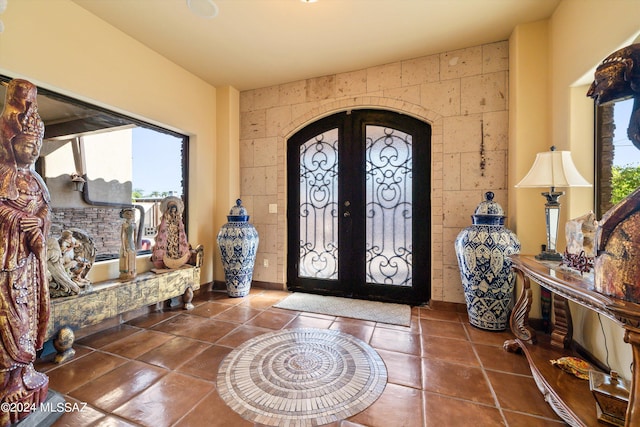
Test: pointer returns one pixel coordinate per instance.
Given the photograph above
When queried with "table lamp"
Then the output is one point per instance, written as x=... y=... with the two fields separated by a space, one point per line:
x=552 y=169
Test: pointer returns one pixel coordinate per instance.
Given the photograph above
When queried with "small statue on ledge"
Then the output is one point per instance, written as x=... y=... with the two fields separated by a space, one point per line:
x=171 y=249
x=69 y=259
x=60 y=284
x=79 y=253
x=24 y=225
x=128 y=245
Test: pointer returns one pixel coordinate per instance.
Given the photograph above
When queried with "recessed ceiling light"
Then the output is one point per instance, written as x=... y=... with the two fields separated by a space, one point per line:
x=203 y=8
x=308 y=1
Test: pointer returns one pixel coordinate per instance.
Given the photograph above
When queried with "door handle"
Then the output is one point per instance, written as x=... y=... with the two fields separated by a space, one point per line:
x=347 y=214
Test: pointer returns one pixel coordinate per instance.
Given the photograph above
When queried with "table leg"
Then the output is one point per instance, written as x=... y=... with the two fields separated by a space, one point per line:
x=519 y=320
x=562 y=331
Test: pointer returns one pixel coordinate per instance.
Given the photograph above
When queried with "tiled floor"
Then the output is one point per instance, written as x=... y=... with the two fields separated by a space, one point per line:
x=160 y=369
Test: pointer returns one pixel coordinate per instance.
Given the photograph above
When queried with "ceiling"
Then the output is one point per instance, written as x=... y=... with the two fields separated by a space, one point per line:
x=258 y=43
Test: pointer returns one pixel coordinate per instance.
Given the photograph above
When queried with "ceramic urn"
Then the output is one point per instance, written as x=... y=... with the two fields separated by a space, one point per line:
x=483 y=251
x=238 y=243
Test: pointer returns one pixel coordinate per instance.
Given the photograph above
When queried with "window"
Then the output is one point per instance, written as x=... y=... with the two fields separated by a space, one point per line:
x=119 y=162
x=617 y=159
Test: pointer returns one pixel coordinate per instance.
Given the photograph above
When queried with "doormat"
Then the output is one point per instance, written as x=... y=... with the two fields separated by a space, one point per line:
x=394 y=314
x=301 y=377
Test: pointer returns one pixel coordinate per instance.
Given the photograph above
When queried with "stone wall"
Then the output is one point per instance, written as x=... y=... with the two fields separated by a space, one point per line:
x=463 y=94
x=102 y=224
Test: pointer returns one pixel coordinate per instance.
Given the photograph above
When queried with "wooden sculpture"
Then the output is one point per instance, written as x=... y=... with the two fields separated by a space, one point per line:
x=616 y=267
x=171 y=249
x=24 y=225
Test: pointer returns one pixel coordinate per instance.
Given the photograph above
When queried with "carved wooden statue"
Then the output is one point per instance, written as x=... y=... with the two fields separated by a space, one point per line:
x=69 y=259
x=24 y=225
x=128 y=245
x=79 y=254
x=171 y=249
x=60 y=283
x=616 y=268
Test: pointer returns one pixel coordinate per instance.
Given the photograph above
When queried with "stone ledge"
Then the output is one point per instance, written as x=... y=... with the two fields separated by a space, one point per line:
x=114 y=297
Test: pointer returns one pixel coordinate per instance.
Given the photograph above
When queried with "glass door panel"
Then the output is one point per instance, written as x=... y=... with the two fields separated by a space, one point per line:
x=318 y=194
x=389 y=218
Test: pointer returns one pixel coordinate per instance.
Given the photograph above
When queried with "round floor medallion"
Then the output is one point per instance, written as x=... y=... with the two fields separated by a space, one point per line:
x=301 y=377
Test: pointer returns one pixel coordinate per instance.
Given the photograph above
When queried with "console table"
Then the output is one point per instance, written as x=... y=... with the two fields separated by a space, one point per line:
x=113 y=297
x=568 y=396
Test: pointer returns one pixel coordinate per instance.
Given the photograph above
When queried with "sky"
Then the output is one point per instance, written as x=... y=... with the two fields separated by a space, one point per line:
x=157 y=164
x=625 y=152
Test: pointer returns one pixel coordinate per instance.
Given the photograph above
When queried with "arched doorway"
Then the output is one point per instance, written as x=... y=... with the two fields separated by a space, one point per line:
x=359 y=207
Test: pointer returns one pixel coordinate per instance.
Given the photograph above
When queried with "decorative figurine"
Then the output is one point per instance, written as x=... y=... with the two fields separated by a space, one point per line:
x=580 y=252
x=483 y=251
x=60 y=283
x=78 y=255
x=238 y=243
x=171 y=249
x=24 y=225
x=69 y=259
x=128 y=245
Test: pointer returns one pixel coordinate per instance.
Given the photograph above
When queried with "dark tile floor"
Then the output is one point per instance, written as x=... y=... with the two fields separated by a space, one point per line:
x=160 y=369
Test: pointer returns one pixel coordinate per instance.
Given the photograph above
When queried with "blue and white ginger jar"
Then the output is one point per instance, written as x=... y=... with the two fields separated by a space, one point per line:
x=483 y=251
x=238 y=243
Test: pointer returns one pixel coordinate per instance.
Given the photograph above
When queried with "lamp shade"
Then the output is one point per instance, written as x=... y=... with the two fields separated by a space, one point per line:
x=553 y=169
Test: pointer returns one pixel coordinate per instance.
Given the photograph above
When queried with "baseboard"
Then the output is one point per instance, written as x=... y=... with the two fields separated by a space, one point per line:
x=220 y=285
x=448 y=306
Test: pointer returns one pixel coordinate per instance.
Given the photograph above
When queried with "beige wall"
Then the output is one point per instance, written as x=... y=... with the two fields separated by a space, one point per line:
x=528 y=133
x=60 y=46
x=453 y=91
x=529 y=127
x=227 y=164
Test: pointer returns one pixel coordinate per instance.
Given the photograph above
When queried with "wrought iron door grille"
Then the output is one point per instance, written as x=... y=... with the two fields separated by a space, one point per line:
x=319 y=207
x=388 y=206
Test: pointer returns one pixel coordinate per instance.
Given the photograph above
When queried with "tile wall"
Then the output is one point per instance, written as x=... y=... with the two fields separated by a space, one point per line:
x=463 y=94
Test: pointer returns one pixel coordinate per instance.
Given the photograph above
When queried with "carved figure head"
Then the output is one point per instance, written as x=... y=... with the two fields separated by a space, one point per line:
x=172 y=205
x=618 y=77
x=20 y=123
x=127 y=214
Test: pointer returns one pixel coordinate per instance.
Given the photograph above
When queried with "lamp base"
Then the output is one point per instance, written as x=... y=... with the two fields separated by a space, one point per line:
x=549 y=256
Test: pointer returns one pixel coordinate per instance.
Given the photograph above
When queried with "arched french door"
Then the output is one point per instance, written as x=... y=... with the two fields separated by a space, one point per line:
x=359 y=207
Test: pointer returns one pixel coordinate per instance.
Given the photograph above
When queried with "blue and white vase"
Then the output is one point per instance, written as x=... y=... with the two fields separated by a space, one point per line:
x=238 y=243
x=483 y=251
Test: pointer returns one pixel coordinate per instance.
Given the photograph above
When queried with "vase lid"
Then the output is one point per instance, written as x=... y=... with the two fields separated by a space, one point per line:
x=488 y=212
x=238 y=213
